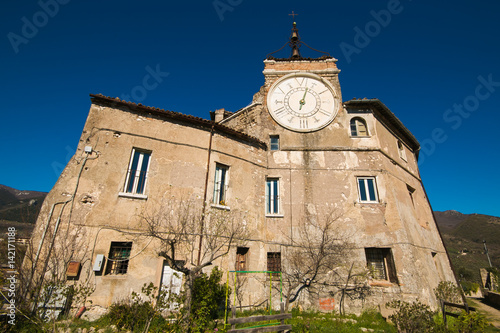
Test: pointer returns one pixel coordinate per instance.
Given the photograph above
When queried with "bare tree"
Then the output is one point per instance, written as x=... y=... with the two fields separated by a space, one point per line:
x=43 y=273
x=355 y=286
x=191 y=239
x=239 y=285
x=317 y=258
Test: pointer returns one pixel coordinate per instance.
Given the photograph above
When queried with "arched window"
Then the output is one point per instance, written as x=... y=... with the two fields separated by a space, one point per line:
x=358 y=127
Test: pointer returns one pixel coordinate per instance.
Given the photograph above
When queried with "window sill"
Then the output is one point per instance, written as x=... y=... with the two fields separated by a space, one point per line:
x=275 y=215
x=369 y=203
x=360 y=137
x=132 y=195
x=381 y=283
x=115 y=276
x=220 y=207
x=275 y=279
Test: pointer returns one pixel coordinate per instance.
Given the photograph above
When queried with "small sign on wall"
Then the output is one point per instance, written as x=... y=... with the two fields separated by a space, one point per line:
x=73 y=269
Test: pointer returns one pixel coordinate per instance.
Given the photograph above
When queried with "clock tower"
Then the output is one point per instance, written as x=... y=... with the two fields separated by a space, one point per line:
x=302 y=94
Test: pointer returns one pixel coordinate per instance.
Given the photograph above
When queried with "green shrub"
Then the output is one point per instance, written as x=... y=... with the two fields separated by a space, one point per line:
x=138 y=312
x=209 y=299
x=471 y=322
x=412 y=317
x=448 y=291
x=469 y=287
x=130 y=315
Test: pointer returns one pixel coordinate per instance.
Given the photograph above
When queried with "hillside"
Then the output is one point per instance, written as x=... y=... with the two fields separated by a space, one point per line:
x=463 y=235
x=20 y=206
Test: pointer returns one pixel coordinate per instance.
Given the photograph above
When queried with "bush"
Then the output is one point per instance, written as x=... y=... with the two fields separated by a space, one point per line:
x=130 y=315
x=448 y=291
x=471 y=322
x=469 y=287
x=209 y=299
x=136 y=314
x=418 y=317
x=412 y=317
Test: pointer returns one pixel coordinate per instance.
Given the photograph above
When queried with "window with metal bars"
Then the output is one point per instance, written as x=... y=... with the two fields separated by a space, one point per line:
x=381 y=264
x=274 y=262
x=118 y=258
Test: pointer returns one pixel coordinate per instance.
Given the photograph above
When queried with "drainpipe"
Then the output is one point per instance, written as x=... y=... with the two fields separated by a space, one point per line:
x=202 y=222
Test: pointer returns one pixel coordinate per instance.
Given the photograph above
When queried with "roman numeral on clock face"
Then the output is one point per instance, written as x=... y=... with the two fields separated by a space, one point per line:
x=300 y=82
x=280 y=112
x=304 y=123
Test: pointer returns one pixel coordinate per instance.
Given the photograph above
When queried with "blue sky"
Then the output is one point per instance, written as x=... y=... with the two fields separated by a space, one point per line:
x=434 y=64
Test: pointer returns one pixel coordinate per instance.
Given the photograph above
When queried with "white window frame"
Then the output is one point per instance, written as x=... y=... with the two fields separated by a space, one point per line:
x=273 y=200
x=133 y=192
x=221 y=181
x=365 y=189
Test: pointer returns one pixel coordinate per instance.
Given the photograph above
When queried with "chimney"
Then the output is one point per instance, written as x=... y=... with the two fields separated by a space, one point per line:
x=219 y=115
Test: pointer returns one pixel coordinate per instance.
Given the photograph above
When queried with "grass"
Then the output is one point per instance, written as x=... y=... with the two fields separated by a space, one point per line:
x=489 y=317
x=302 y=321
x=312 y=321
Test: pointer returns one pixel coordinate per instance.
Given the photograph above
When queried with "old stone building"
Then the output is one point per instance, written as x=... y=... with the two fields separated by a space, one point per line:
x=298 y=153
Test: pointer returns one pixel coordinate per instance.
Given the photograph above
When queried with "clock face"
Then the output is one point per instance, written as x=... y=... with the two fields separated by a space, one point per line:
x=302 y=102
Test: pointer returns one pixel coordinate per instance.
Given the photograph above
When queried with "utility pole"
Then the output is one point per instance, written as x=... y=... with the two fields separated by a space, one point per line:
x=487 y=254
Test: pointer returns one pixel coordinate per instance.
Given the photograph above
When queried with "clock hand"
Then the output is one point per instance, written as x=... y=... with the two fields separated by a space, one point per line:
x=303 y=100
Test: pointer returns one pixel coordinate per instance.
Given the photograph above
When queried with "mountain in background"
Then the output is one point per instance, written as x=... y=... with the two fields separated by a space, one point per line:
x=464 y=236
x=20 y=206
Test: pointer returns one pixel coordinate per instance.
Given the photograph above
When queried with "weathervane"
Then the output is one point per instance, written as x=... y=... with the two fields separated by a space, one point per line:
x=295 y=43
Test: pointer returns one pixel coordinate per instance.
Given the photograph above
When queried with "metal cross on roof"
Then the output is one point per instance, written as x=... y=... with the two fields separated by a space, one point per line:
x=293 y=14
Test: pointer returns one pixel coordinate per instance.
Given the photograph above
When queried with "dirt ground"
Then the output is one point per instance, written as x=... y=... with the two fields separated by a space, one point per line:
x=492 y=314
